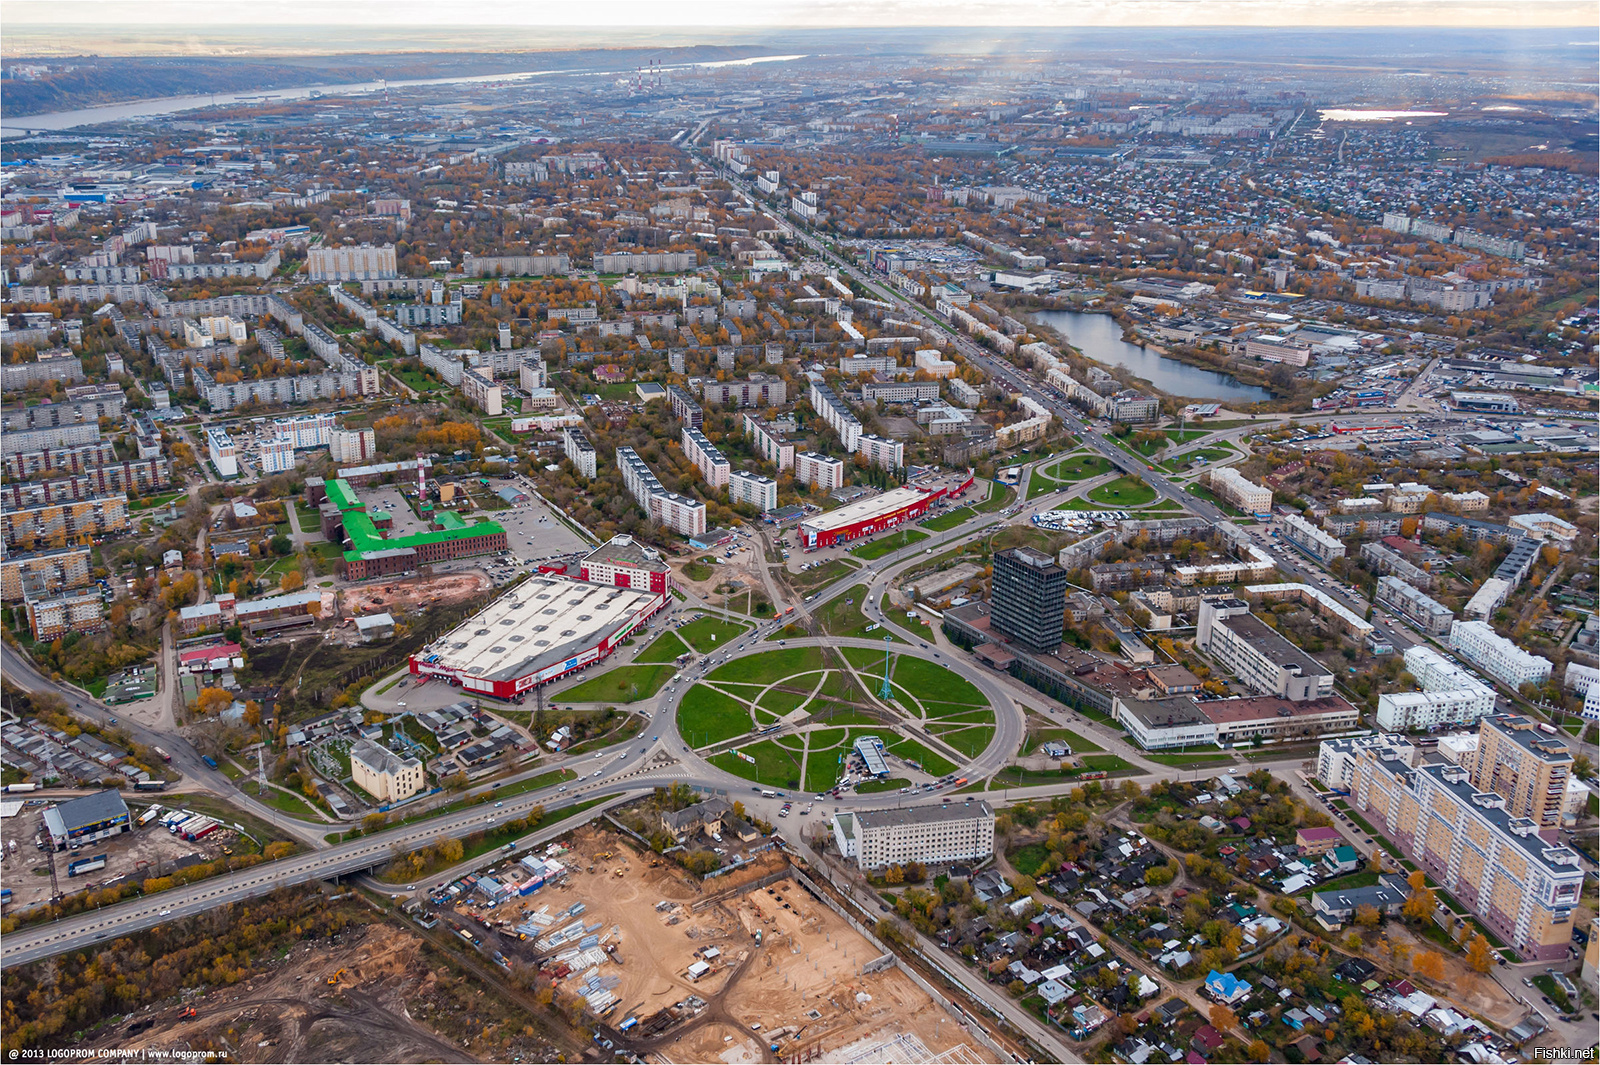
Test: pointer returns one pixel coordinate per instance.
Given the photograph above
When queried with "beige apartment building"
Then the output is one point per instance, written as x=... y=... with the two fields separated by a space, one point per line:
x=1496 y=863
x=932 y=835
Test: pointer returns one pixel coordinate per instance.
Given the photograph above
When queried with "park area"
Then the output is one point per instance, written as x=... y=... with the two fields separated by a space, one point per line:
x=1126 y=491
x=1070 y=470
x=822 y=701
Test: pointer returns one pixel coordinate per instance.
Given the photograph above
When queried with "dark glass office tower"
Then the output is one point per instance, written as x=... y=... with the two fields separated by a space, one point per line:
x=1029 y=598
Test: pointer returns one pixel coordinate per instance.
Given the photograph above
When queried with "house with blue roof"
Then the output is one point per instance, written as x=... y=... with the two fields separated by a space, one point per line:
x=1225 y=987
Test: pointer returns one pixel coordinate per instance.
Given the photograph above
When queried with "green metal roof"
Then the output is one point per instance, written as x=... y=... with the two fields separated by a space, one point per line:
x=365 y=538
x=341 y=495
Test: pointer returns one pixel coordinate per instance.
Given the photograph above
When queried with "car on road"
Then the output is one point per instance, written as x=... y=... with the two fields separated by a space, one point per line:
x=164 y=913
x=498 y=805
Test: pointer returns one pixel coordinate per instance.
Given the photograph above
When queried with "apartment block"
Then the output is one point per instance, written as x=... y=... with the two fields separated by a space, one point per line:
x=900 y=391
x=48 y=573
x=678 y=513
x=224 y=455
x=276 y=455
x=1525 y=766
x=771 y=445
x=1311 y=540
x=881 y=451
x=1382 y=559
x=707 y=458
x=1492 y=861
x=931 y=835
x=1497 y=656
x=58 y=615
x=1257 y=654
x=758 y=390
x=836 y=414
x=575 y=445
x=1234 y=489
x=386 y=776
x=483 y=392
x=754 y=489
x=1028 y=598
x=684 y=407
x=818 y=471
x=351 y=263
x=60 y=524
x=352 y=447
x=1428 y=614
x=1336 y=758
x=1450 y=695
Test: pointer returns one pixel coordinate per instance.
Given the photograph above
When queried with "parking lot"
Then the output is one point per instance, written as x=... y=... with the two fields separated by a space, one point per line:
x=533 y=531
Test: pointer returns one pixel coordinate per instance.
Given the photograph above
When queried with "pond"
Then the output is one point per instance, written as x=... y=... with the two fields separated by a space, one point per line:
x=1099 y=337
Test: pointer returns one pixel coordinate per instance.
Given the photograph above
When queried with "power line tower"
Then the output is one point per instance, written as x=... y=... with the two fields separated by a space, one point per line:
x=886 y=692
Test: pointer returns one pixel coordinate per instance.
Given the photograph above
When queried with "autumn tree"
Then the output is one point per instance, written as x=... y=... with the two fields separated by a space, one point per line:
x=1367 y=915
x=212 y=701
x=1420 y=904
x=1222 y=1018
x=1428 y=965
x=1479 y=954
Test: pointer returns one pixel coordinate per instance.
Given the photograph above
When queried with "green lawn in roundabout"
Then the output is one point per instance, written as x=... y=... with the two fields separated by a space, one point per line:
x=1123 y=492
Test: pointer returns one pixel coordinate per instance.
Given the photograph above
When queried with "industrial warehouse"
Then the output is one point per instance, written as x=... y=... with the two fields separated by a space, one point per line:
x=369 y=549
x=894 y=507
x=547 y=627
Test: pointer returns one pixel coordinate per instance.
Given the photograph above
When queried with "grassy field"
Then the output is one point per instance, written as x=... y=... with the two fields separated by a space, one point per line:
x=1192 y=760
x=708 y=633
x=928 y=681
x=625 y=684
x=814 y=579
x=1000 y=497
x=1078 y=744
x=1210 y=454
x=664 y=648
x=1123 y=492
x=842 y=616
x=773 y=766
x=770 y=667
x=707 y=716
x=884 y=545
x=950 y=520
x=1014 y=777
x=1068 y=471
x=868 y=787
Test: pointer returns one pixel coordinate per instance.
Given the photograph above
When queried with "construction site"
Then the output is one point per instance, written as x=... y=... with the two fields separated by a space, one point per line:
x=408 y=597
x=746 y=967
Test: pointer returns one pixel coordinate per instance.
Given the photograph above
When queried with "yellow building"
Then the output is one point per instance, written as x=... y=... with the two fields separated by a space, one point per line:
x=1525 y=765
x=383 y=774
x=1495 y=863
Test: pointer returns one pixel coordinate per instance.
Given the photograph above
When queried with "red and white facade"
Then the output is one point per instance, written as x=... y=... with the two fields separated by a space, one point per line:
x=625 y=563
x=546 y=628
x=892 y=508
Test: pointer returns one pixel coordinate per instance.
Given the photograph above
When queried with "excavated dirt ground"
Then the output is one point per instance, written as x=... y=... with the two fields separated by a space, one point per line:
x=383 y=984
x=406 y=596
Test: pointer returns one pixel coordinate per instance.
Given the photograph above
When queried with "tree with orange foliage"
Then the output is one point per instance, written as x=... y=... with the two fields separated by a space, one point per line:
x=1428 y=965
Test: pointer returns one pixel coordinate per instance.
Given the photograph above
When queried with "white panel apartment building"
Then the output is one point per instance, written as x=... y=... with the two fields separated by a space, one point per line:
x=746 y=487
x=775 y=448
x=836 y=414
x=1233 y=488
x=219 y=445
x=354 y=263
x=881 y=451
x=1427 y=613
x=1310 y=539
x=306 y=430
x=579 y=451
x=710 y=461
x=1497 y=656
x=1450 y=695
x=276 y=455
x=482 y=391
x=818 y=471
x=1257 y=654
x=676 y=512
x=932 y=835
x=353 y=447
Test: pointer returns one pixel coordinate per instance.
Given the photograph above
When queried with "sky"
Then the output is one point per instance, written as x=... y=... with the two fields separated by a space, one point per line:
x=199 y=17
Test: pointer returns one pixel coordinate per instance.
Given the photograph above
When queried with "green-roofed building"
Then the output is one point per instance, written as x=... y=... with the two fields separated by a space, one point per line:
x=369 y=553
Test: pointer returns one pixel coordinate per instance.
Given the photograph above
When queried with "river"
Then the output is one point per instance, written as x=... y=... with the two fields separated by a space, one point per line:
x=1099 y=337
x=170 y=105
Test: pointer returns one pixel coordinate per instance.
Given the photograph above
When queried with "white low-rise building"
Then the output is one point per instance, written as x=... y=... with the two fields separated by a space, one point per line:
x=1497 y=656
x=932 y=835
